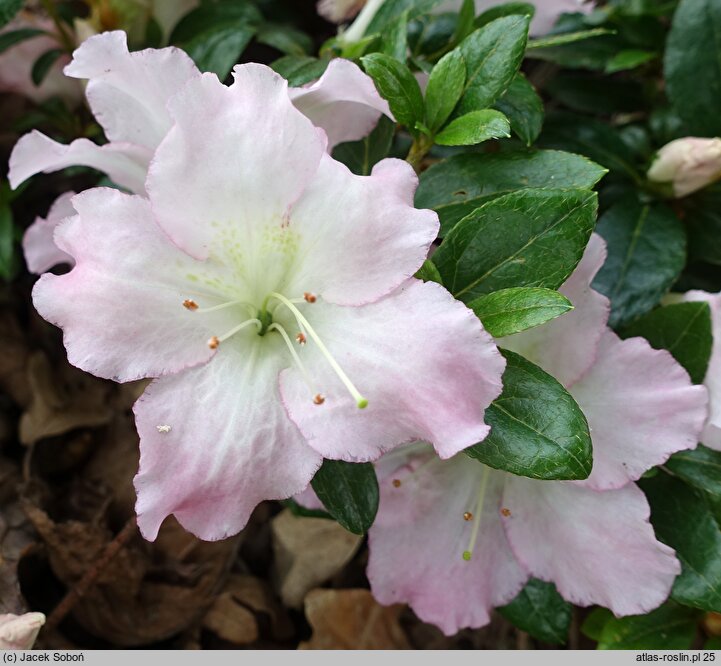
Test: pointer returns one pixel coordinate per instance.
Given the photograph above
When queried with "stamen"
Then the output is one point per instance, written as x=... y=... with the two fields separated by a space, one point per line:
x=215 y=341
x=505 y=512
x=309 y=298
x=222 y=306
x=396 y=483
x=318 y=398
x=361 y=402
x=190 y=304
x=467 y=516
x=467 y=554
x=301 y=339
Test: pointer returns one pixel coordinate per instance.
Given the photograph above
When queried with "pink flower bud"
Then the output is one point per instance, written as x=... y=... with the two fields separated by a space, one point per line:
x=18 y=632
x=688 y=164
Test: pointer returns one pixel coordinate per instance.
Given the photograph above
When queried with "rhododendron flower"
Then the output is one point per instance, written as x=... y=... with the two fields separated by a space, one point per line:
x=16 y=63
x=711 y=435
x=18 y=632
x=128 y=93
x=687 y=164
x=455 y=538
x=268 y=291
x=41 y=253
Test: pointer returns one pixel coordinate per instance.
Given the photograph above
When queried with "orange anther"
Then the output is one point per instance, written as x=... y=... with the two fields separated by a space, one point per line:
x=213 y=343
x=190 y=304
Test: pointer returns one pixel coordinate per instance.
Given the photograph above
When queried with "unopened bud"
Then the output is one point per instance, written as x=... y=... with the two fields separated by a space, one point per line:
x=687 y=164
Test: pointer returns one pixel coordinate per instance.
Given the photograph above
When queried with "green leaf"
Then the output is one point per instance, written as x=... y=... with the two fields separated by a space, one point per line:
x=7 y=241
x=537 y=429
x=541 y=611
x=700 y=468
x=646 y=254
x=473 y=128
x=457 y=186
x=594 y=623
x=361 y=156
x=8 y=39
x=580 y=91
x=670 y=627
x=398 y=86
x=391 y=10
x=428 y=273
x=524 y=108
x=566 y=38
x=506 y=9
x=43 y=64
x=529 y=238
x=493 y=55
x=517 y=309
x=395 y=39
x=445 y=86
x=703 y=222
x=466 y=16
x=350 y=493
x=285 y=39
x=684 y=521
x=629 y=59
x=692 y=65
x=684 y=329
x=299 y=70
x=8 y=9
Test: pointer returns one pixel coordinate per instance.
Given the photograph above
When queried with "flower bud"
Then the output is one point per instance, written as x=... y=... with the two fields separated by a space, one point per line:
x=18 y=632
x=688 y=164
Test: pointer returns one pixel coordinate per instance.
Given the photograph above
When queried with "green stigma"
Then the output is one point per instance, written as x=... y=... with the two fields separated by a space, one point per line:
x=467 y=555
x=362 y=403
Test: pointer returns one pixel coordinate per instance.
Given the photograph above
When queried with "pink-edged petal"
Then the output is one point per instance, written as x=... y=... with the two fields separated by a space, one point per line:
x=128 y=92
x=420 y=358
x=344 y=102
x=236 y=159
x=120 y=307
x=309 y=500
x=641 y=408
x=567 y=346
x=418 y=538
x=215 y=441
x=41 y=253
x=125 y=164
x=598 y=547
x=711 y=435
x=359 y=237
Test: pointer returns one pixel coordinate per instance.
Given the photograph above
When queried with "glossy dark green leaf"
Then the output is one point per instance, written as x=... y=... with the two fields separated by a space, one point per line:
x=457 y=186
x=466 y=17
x=517 y=309
x=7 y=244
x=541 y=611
x=299 y=70
x=391 y=10
x=646 y=254
x=581 y=91
x=629 y=59
x=349 y=491
x=562 y=39
x=445 y=86
x=8 y=9
x=685 y=522
x=700 y=468
x=537 y=429
x=670 y=627
x=12 y=37
x=684 y=329
x=285 y=38
x=428 y=272
x=524 y=108
x=703 y=222
x=473 y=128
x=506 y=9
x=43 y=64
x=529 y=238
x=493 y=55
x=361 y=156
x=395 y=38
x=692 y=65
x=397 y=85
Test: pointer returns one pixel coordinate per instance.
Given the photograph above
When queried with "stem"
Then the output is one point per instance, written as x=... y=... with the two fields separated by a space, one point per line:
x=419 y=149
x=65 y=37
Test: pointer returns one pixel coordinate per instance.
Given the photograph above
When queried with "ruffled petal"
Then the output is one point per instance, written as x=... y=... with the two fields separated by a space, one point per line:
x=567 y=346
x=125 y=164
x=344 y=102
x=711 y=435
x=641 y=408
x=121 y=308
x=41 y=253
x=417 y=541
x=128 y=92
x=597 y=547
x=235 y=161
x=215 y=441
x=422 y=360
x=358 y=237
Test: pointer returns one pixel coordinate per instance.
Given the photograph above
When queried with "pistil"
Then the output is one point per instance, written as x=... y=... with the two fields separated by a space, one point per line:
x=478 y=516
x=318 y=398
